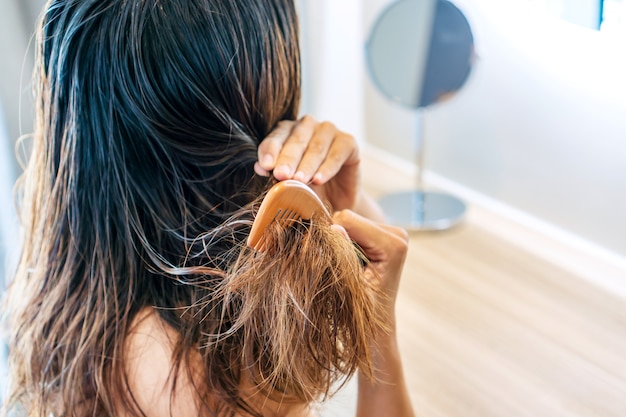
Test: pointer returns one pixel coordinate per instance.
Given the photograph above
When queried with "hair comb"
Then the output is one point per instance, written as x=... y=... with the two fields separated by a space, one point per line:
x=286 y=202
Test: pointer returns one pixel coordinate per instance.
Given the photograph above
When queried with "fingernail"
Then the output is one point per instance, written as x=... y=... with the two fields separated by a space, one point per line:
x=318 y=178
x=260 y=170
x=299 y=176
x=283 y=171
x=267 y=161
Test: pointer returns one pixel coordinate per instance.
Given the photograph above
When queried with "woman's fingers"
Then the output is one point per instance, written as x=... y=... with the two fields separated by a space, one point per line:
x=343 y=151
x=294 y=147
x=270 y=148
x=341 y=230
x=379 y=242
x=385 y=246
x=316 y=151
x=306 y=150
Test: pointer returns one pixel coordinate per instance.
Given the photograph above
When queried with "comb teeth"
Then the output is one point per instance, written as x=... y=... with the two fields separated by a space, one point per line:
x=284 y=215
x=285 y=218
x=285 y=203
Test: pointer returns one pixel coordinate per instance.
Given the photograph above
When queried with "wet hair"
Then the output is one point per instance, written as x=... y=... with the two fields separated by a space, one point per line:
x=140 y=191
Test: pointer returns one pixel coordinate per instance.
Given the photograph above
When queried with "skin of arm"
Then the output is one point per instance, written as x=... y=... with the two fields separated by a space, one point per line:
x=387 y=394
x=386 y=247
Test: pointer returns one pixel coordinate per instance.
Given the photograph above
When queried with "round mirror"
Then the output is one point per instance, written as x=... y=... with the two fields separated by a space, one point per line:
x=420 y=52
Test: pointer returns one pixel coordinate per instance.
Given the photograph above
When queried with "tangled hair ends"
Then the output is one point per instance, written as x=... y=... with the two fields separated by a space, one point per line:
x=306 y=311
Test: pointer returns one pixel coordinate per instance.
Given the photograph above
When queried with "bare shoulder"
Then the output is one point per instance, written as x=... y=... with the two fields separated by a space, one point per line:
x=150 y=347
x=148 y=334
x=148 y=361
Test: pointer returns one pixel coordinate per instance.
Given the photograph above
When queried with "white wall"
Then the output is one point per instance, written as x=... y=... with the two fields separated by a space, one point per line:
x=333 y=62
x=16 y=63
x=540 y=125
x=9 y=231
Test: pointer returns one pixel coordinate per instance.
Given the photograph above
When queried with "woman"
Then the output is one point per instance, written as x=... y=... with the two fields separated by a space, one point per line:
x=135 y=294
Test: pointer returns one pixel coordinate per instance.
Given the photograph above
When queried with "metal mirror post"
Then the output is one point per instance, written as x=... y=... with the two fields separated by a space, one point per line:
x=420 y=53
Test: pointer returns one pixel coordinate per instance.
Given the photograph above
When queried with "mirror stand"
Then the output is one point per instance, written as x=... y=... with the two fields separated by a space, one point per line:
x=419 y=209
x=419 y=53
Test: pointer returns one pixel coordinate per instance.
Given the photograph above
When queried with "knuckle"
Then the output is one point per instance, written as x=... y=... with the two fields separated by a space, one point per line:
x=402 y=245
x=398 y=249
x=398 y=238
x=347 y=139
x=342 y=216
x=326 y=125
x=284 y=127
x=308 y=119
x=287 y=157
x=335 y=158
x=298 y=138
x=316 y=147
x=300 y=135
x=268 y=141
x=403 y=234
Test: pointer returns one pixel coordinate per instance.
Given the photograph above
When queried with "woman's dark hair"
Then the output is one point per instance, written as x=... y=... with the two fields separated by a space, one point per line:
x=139 y=192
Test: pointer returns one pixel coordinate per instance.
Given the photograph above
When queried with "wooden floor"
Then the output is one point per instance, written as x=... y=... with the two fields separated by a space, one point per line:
x=492 y=329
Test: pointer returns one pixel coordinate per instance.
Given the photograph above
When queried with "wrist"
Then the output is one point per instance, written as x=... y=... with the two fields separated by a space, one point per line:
x=387 y=337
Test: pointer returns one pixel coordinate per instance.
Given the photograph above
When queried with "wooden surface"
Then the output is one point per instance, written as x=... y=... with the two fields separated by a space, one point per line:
x=491 y=328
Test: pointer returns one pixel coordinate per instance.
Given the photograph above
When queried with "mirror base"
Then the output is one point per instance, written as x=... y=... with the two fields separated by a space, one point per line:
x=423 y=210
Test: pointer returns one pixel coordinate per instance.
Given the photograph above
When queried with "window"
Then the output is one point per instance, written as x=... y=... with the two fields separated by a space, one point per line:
x=614 y=16
x=603 y=15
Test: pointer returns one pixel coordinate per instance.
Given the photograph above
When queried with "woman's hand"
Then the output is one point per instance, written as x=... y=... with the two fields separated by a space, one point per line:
x=314 y=153
x=384 y=245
